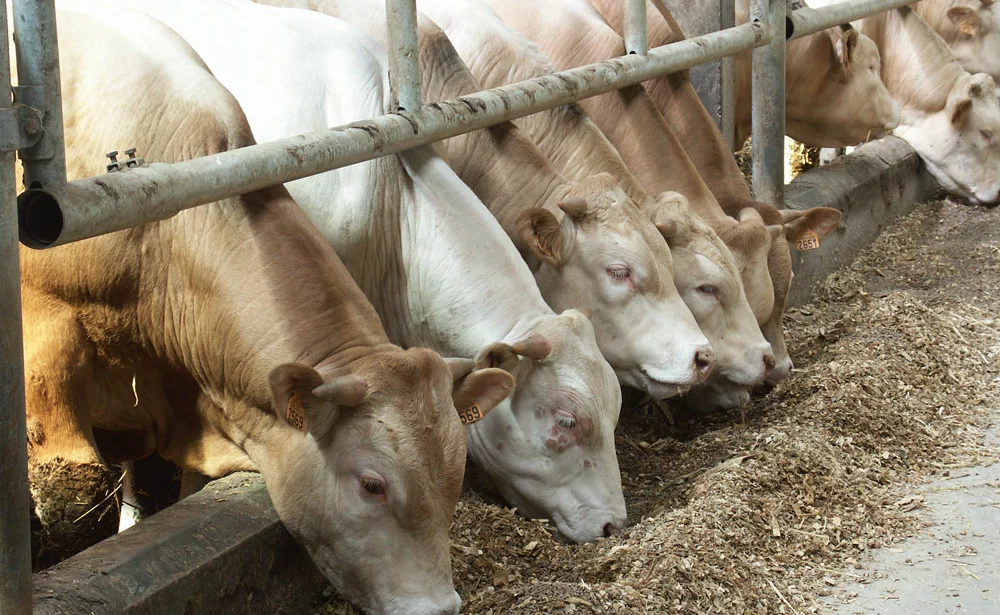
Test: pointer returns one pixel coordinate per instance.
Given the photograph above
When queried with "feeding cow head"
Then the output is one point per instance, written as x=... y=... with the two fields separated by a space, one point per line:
x=835 y=94
x=960 y=144
x=365 y=470
x=607 y=257
x=550 y=448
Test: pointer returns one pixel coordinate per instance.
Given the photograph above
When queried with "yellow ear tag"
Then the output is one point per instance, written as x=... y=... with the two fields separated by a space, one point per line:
x=808 y=240
x=967 y=28
x=471 y=414
x=296 y=414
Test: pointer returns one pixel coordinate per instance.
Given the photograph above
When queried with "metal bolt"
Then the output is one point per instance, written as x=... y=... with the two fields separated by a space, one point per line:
x=114 y=161
x=31 y=126
x=131 y=162
x=130 y=152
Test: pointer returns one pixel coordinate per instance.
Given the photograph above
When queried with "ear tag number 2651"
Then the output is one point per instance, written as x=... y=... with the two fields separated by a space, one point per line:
x=808 y=240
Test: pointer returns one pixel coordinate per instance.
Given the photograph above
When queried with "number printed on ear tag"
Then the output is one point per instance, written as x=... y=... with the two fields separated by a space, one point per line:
x=471 y=414
x=808 y=240
x=296 y=414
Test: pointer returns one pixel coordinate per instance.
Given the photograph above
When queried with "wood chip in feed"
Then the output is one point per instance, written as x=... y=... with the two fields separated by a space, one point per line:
x=764 y=510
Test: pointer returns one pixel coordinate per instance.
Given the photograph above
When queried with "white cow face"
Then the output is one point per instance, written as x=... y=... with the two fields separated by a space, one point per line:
x=976 y=43
x=369 y=481
x=836 y=96
x=608 y=259
x=961 y=144
x=550 y=449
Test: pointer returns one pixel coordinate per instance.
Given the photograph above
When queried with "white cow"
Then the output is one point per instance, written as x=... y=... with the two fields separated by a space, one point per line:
x=438 y=268
x=970 y=27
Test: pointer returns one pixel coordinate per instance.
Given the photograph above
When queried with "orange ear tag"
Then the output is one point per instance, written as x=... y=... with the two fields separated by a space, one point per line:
x=471 y=414
x=808 y=240
x=296 y=414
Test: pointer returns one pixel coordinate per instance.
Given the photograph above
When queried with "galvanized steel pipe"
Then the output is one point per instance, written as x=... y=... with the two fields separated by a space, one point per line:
x=37 y=51
x=636 y=35
x=15 y=501
x=805 y=21
x=404 y=67
x=769 y=105
x=97 y=205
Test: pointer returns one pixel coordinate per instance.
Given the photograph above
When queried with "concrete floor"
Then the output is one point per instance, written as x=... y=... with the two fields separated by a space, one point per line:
x=952 y=566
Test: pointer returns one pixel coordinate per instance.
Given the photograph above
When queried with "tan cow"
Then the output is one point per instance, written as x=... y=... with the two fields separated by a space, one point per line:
x=587 y=243
x=230 y=337
x=834 y=95
x=949 y=116
x=677 y=100
x=971 y=28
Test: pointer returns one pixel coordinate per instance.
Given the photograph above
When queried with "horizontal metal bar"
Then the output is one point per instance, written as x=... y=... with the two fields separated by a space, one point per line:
x=805 y=21
x=97 y=205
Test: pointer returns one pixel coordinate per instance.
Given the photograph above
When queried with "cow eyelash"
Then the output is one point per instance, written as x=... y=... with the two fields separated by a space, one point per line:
x=373 y=486
x=708 y=289
x=619 y=273
x=565 y=420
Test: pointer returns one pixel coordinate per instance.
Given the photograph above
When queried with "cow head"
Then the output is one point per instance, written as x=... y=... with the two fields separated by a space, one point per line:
x=835 y=93
x=960 y=144
x=365 y=470
x=550 y=448
x=607 y=258
x=975 y=36
x=708 y=278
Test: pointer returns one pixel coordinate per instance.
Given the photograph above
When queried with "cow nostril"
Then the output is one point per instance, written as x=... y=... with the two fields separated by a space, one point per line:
x=703 y=362
x=769 y=362
x=609 y=529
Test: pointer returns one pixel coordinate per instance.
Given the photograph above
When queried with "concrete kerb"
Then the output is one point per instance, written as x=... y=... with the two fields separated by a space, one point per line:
x=872 y=186
x=223 y=550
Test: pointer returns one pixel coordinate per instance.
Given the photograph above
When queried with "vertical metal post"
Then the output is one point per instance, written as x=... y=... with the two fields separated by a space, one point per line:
x=769 y=104
x=15 y=503
x=404 y=71
x=727 y=77
x=636 y=34
x=38 y=86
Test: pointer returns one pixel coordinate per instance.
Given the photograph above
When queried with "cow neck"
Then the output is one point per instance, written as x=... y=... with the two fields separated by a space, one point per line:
x=269 y=290
x=917 y=67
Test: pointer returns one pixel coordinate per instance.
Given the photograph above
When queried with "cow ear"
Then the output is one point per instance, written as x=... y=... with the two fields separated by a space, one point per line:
x=543 y=234
x=966 y=19
x=819 y=220
x=481 y=391
x=305 y=402
x=961 y=112
x=846 y=44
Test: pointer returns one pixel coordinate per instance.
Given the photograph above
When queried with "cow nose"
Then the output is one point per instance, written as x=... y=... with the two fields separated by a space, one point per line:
x=703 y=363
x=768 y=361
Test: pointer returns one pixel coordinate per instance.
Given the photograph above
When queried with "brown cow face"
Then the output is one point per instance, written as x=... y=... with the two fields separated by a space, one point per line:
x=369 y=477
x=609 y=259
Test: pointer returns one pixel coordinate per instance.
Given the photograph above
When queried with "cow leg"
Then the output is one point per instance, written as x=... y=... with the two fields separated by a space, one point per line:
x=73 y=490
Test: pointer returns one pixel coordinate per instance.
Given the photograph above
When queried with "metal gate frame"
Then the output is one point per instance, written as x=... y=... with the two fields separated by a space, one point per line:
x=53 y=211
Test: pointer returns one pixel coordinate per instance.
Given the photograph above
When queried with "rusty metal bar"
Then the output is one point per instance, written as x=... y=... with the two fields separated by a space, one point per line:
x=15 y=501
x=97 y=205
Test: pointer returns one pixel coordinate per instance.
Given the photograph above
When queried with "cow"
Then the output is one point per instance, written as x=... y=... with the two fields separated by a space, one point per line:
x=971 y=28
x=230 y=337
x=437 y=266
x=704 y=270
x=677 y=100
x=834 y=95
x=949 y=116
x=589 y=246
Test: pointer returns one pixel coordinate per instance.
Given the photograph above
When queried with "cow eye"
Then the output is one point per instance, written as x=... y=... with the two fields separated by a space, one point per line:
x=620 y=273
x=708 y=289
x=987 y=134
x=565 y=419
x=373 y=484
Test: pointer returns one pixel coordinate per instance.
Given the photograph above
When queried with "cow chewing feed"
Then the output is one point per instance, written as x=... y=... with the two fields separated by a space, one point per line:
x=230 y=337
x=437 y=266
x=834 y=95
x=606 y=258
x=971 y=28
x=949 y=116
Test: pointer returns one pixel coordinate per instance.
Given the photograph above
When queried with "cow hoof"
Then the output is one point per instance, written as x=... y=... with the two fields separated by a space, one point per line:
x=74 y=505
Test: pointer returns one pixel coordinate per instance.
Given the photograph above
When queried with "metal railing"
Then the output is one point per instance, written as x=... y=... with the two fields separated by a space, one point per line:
x=53 y=211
